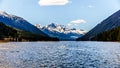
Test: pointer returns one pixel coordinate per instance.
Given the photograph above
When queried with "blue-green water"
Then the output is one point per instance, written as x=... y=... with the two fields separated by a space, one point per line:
x=60 y=55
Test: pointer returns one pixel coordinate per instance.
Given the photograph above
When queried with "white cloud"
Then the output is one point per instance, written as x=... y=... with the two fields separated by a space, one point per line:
x=91 y=6
x=53 y=2
x=76 y=22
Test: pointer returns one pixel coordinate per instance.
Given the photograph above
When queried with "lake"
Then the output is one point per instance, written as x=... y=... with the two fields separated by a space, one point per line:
x=60 y=55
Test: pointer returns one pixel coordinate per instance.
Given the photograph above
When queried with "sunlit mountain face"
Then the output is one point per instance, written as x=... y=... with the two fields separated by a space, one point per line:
x=61 y=31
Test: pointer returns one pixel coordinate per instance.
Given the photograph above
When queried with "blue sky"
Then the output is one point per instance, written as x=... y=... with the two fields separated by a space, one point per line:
x=81 y=14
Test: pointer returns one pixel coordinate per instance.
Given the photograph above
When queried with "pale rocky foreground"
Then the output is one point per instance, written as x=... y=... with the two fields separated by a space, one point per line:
x=60 y=55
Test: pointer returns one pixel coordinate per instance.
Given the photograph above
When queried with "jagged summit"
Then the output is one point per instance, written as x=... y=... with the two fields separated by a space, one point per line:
x=52 y=25
x=4 y=13
x=61 y=31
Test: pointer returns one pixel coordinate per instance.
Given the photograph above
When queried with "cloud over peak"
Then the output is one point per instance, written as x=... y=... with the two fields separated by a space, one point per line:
x=76 y=22
x=52 y=2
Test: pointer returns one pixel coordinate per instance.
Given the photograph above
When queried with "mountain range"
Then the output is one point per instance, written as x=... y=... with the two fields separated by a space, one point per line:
x=111 y=23
x=107 y=30
x=18 y=24
x=61 y=31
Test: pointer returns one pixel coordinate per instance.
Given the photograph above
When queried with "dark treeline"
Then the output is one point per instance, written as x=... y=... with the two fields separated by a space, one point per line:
x=11 y=34
x=111 y=35
x=7 y=32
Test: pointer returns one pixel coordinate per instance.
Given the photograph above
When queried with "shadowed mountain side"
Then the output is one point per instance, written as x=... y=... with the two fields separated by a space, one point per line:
x=111 y=35
x=19 y=23
x=111 y=22
x=8 y=33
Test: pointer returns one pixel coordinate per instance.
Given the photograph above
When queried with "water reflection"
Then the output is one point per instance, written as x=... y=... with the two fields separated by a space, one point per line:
x=60 y=55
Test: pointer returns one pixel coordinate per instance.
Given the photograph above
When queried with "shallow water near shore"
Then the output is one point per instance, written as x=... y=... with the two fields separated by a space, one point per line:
x=66 y=54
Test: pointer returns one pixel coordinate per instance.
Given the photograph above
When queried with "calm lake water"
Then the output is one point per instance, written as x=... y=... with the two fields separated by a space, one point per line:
x=60 y=55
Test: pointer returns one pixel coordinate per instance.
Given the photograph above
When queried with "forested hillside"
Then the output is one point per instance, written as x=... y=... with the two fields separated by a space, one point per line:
x=8 y=33
x=111 y=35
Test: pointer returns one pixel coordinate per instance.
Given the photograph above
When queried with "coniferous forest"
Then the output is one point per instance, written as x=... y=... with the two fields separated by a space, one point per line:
x=110 y=35
x=8 y=33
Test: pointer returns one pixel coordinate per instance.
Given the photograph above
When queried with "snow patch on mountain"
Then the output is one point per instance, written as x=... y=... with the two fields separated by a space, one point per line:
x=61 y=31
x=19 y=23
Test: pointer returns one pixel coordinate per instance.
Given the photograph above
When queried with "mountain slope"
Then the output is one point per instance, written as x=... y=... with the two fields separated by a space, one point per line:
x=8 y=33
x=111 y=22
x=61 y=31
x=110 y=35
x=19 y=23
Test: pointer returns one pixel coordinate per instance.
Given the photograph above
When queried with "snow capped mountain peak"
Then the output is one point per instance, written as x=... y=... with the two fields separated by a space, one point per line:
x=52 y=25
x=4 y=13
x=13 y=17
x=19 y=23
x=38 y=25
x=61 y=31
